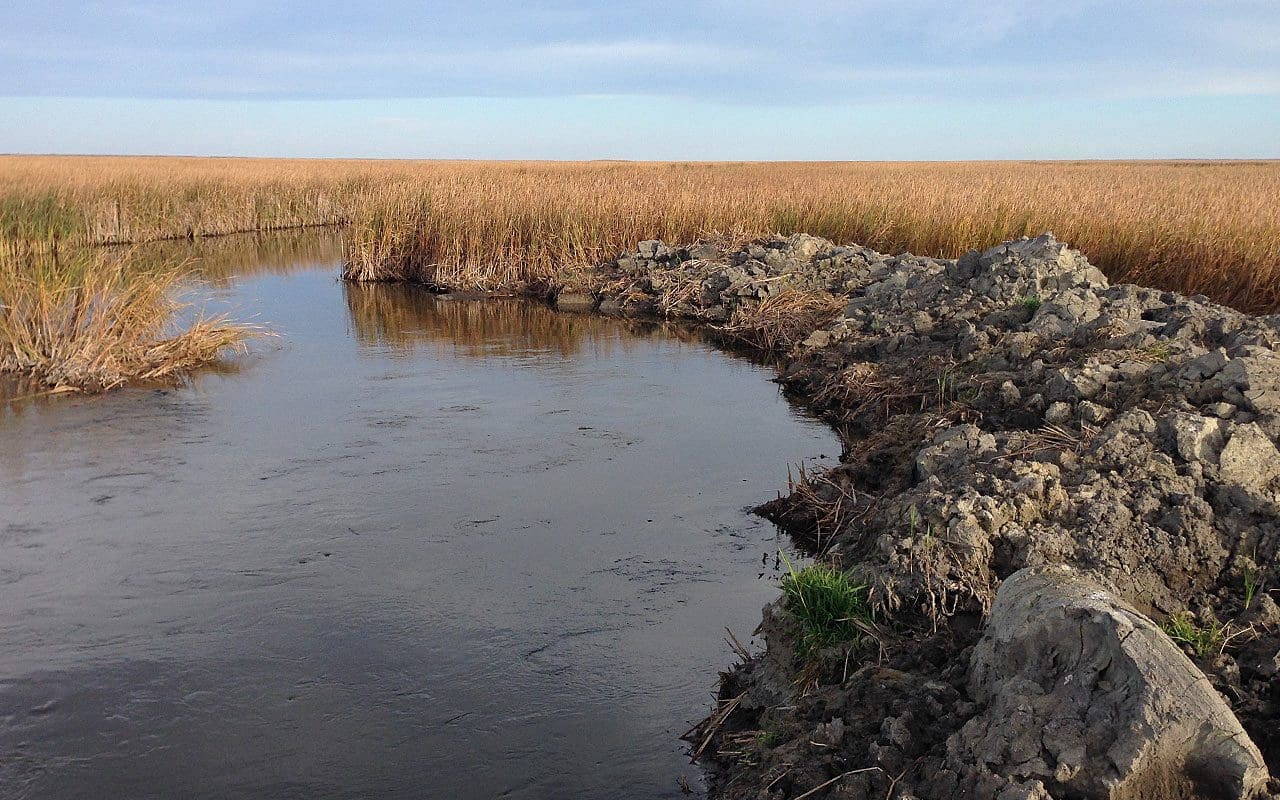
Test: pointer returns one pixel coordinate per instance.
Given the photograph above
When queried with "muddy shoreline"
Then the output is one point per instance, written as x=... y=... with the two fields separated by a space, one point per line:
x=1032 y=458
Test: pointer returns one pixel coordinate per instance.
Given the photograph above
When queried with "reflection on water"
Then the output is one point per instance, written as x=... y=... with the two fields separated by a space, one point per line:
x=18 y=389
x=414 y=548
x=401 y=317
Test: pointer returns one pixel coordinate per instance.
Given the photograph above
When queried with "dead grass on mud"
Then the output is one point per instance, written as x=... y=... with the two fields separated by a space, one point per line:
x=781 y=320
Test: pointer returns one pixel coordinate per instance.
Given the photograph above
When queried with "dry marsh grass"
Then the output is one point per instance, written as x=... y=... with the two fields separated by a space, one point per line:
x=76 y=200
x=1210 y=228
x=1195 y=227
x=93 y=321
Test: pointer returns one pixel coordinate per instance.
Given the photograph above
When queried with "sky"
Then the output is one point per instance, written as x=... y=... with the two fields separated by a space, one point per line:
x=693 y=79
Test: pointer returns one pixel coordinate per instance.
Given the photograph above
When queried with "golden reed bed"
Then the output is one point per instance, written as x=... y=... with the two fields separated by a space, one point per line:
x=1196 y=227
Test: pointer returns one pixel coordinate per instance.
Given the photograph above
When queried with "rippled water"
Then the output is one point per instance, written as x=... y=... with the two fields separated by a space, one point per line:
x=414 y=548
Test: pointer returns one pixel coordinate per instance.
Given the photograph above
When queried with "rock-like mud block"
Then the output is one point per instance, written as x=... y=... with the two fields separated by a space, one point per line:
x=1087 y=698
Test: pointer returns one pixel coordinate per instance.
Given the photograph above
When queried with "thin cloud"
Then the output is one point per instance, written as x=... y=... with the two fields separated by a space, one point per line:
x=736 y=52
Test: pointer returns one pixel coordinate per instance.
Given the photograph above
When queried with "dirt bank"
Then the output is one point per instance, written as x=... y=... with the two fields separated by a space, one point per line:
x=1003 y=414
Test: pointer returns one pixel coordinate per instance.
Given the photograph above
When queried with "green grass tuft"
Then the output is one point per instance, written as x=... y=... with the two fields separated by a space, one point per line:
x=1251 y=583
x=1205 y=640
x=830 y=608
x=771 y=734
x=1157 y=353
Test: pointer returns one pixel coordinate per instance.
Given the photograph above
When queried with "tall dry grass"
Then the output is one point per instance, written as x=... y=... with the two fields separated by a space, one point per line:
x=78 y=200
x=1210 y=228
x=93 y=321
x=1195 y=227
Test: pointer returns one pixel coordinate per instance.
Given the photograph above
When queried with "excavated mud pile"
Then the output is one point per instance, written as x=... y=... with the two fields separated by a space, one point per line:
x=1040 y=471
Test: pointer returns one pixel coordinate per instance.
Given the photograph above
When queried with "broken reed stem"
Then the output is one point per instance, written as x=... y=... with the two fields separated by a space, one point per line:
x=714 y=723
x=839 y=777
x=733 y=642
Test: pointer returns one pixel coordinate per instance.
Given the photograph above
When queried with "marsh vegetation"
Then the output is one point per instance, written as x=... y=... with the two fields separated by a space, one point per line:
x=95 y=320
x=1195 y=227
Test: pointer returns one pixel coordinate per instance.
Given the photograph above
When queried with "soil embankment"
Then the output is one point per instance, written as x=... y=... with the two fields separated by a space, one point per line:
x=1063 y=495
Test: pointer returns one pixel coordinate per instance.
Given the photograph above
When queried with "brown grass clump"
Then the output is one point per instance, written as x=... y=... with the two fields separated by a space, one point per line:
x=861 y=388
x=92 y=322
x=820 y=504
x=782 y=319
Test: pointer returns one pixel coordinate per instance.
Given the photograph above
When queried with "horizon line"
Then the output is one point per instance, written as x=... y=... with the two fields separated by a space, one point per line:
x=454 y=159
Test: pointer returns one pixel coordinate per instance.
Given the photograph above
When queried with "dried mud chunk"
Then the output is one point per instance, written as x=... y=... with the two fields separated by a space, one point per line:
x=1092 y=699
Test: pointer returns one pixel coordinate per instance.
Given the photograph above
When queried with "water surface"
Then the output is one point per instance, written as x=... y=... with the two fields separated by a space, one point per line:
x=414 y=548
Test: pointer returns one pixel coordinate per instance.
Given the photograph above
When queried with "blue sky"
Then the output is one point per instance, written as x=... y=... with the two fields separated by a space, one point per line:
x=706 y=79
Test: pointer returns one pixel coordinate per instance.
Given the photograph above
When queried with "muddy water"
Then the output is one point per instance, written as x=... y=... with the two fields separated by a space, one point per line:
x=414 y=548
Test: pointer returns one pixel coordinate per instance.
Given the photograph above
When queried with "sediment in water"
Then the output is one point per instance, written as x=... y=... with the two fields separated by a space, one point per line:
x=1003 y=414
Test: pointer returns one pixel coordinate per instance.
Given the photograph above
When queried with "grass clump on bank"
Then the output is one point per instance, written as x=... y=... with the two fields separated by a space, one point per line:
x=831 y=609
x=1205 y=640
x=95 y=321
